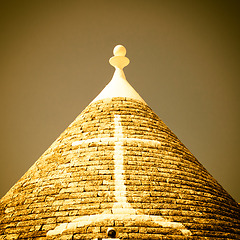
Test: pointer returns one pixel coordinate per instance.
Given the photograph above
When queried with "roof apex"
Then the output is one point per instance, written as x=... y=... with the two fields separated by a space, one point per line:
x=119 y=86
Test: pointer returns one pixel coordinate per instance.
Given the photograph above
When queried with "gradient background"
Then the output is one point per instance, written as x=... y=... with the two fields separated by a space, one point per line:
x=184 y=57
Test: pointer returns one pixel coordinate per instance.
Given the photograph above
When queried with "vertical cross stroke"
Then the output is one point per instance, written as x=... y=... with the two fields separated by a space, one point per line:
x=121 y=210
x=121 y=206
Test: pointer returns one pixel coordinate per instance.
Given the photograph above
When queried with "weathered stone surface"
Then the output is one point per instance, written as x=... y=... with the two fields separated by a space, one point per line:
x=127 y=163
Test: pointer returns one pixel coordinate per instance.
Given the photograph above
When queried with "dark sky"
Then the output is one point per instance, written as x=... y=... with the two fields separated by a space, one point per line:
x=184 y=57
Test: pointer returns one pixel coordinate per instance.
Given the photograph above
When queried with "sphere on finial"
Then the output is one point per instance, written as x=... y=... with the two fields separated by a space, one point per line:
x=119 y=50
x=119 y=60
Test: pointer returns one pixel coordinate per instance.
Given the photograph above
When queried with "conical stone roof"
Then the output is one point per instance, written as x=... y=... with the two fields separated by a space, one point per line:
x=118 y=166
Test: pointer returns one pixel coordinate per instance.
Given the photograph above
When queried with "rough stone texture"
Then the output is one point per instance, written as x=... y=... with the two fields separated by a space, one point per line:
x=78 y=191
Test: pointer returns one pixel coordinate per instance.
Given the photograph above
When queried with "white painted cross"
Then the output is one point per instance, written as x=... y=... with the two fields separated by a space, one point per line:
x=121 y=210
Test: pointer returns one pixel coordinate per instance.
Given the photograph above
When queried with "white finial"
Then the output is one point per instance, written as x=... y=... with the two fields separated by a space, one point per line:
x=119 y=60
x=119 y=86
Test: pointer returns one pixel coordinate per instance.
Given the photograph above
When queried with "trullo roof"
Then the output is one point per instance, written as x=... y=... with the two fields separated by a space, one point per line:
x=118 y=166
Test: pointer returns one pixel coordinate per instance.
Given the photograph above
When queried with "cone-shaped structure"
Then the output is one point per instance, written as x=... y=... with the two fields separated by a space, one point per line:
x=118 y=166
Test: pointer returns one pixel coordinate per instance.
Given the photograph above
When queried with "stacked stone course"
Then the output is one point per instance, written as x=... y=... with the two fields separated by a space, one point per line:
x=75 y=180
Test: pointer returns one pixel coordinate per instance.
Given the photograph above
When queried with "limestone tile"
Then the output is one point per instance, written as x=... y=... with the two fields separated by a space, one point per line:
x=65 y=219
x=96 y=188
x=73 y=213
x=50 y=191
x=67 y=207
x=93 y=230
x=71 y=201
x=50 y=199
x=106 y=205
x=91 y=211
x=87 y=236
x=127 y=229
x=132 y=182
x=61 y=213
x=11 y=236
x=90 y=206
x=86 y=194
x=66 y=237
x=105 y=194
x=93 y=200
x=15 y=230
x=71 y=190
